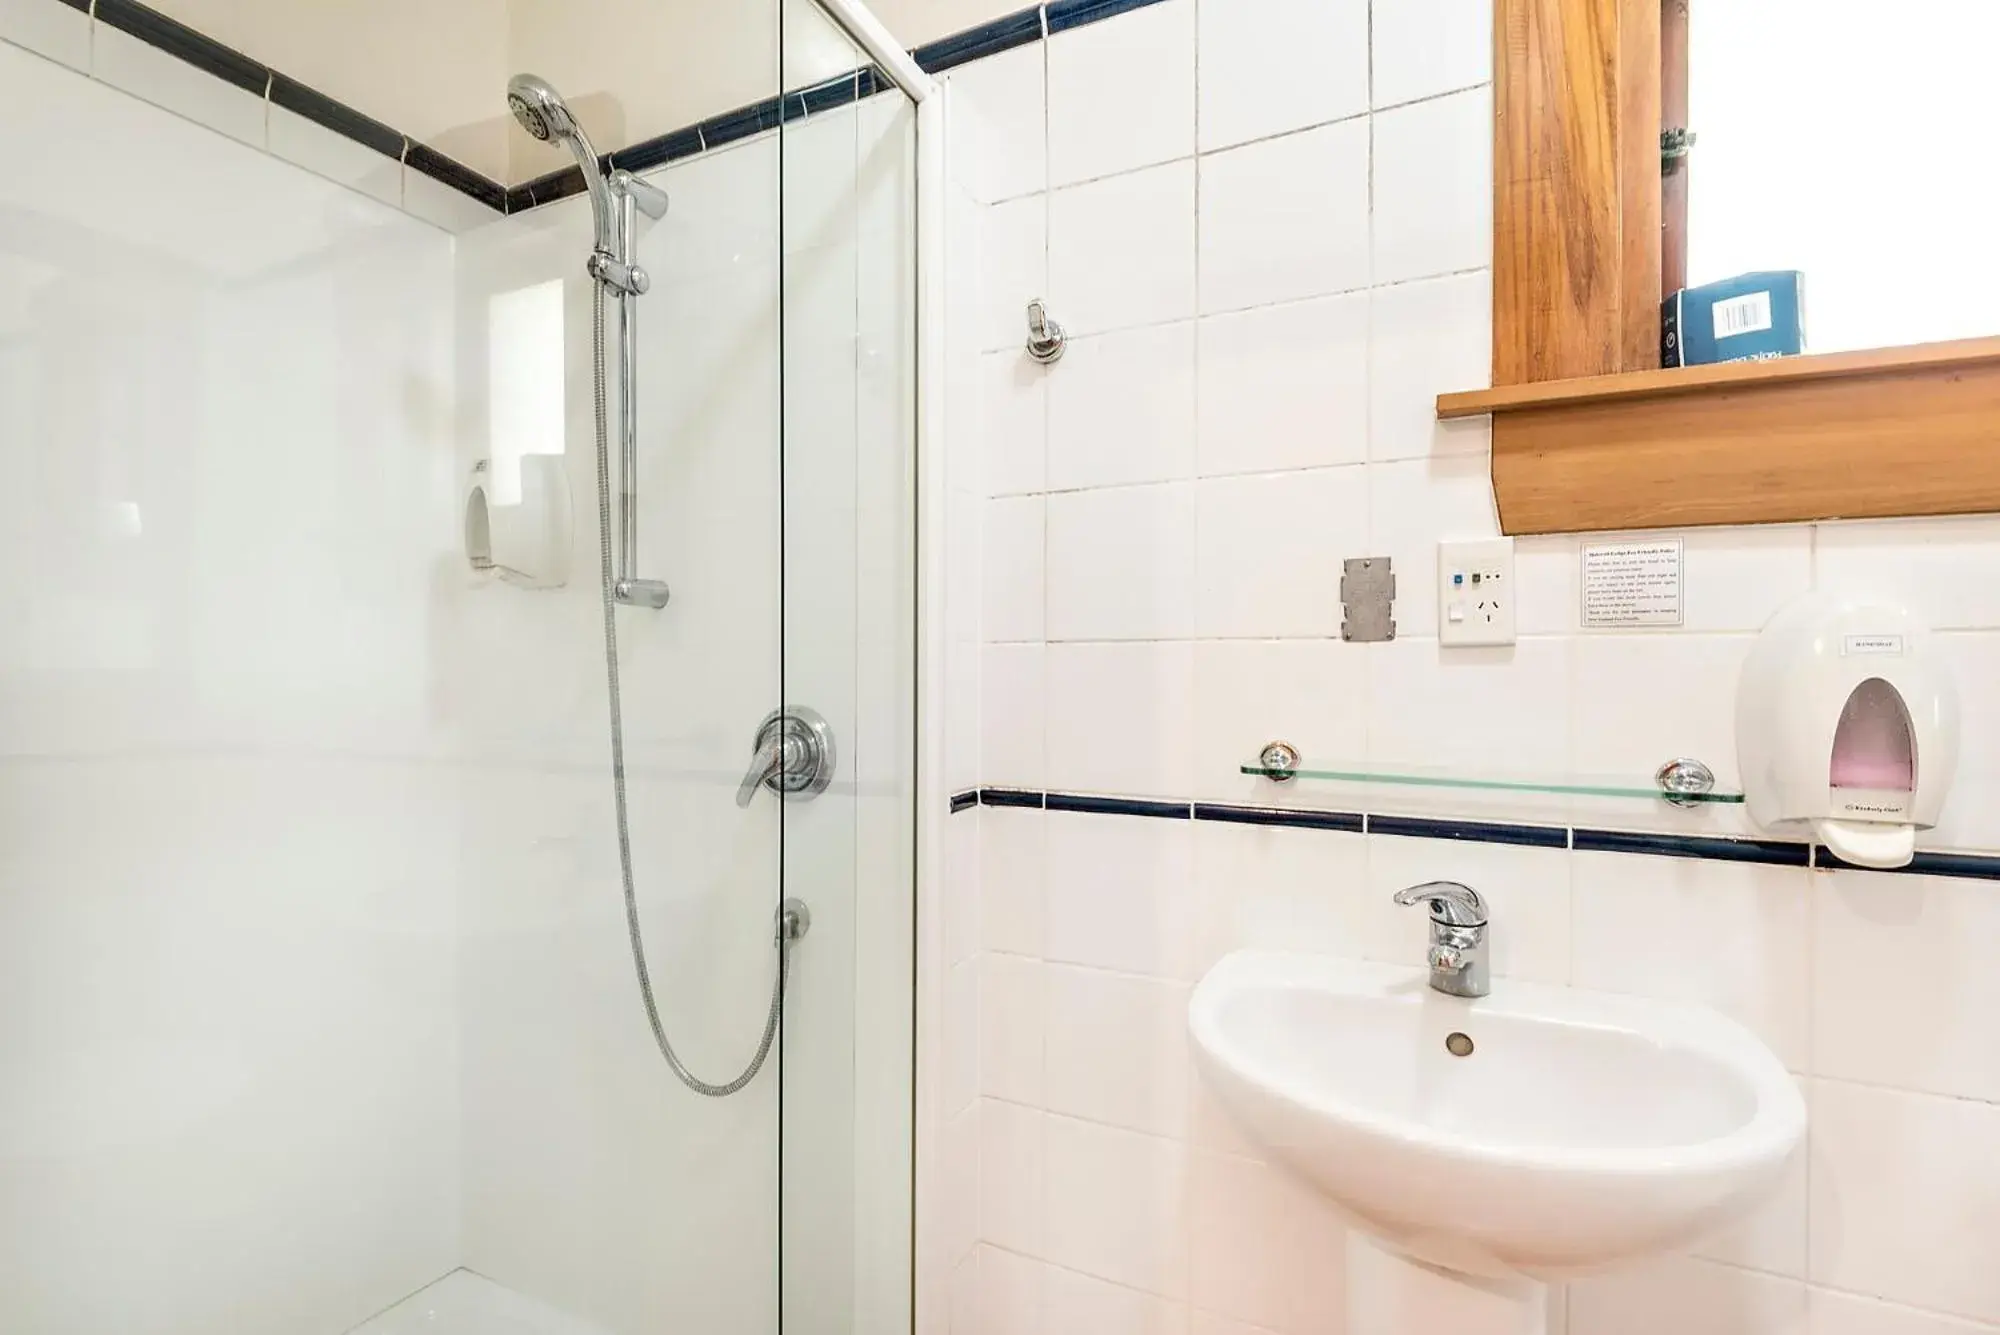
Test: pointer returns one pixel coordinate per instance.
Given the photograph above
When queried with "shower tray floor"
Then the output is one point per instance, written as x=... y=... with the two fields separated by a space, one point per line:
x=463 y=1303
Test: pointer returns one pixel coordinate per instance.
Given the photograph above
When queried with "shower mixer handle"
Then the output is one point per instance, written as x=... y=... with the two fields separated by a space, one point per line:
x=794 y=756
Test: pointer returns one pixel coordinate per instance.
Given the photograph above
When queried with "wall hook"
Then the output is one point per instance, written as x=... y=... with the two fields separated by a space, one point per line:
x=1046 y=338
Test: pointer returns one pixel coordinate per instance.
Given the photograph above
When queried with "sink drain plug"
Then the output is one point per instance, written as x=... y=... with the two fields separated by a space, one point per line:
x=1458 y=1045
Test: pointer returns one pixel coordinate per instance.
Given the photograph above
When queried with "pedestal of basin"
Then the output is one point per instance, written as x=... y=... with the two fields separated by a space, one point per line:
x=1390 y=1294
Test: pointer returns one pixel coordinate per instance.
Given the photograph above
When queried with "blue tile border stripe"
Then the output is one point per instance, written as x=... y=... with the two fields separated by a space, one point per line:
x=1703 y=847
x=1289 y=818
x=1010 y=797
x=1064 y=15
x=987 y=39
x=1968 y=866
x=1471 y=831
x=1118 y=806
x=1770 y=852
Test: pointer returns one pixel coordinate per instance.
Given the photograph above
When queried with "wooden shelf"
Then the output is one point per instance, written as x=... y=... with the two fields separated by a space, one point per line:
x=1845 y=435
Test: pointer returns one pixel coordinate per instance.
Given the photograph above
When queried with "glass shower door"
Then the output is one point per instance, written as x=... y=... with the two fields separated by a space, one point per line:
x=847 y=147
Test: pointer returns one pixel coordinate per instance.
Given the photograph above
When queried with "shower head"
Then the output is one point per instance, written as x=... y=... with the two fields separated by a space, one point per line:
x=543 y=114
x=540 y=109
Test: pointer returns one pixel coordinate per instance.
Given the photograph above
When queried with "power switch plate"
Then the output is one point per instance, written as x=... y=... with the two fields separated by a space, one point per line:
x=1476 y=592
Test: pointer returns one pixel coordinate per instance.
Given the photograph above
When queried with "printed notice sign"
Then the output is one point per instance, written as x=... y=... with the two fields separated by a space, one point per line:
x=1632 y=583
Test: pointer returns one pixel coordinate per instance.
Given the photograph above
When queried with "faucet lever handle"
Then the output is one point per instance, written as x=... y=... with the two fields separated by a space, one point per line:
x=1452 y=903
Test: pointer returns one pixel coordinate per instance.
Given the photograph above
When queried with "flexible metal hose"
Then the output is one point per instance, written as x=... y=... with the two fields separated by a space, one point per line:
x=784 y=936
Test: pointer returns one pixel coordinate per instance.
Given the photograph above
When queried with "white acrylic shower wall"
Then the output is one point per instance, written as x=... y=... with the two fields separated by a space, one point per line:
x=227 y=816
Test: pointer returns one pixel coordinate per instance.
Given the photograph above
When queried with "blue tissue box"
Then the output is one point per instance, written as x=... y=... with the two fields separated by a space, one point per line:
x=1742 y=319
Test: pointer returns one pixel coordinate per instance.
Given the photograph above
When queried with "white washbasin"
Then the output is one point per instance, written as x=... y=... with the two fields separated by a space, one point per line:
x=1582 y=1130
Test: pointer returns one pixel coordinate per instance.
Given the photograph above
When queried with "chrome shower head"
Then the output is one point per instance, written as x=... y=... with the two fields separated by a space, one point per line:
x=540 y=109
x=543 y=114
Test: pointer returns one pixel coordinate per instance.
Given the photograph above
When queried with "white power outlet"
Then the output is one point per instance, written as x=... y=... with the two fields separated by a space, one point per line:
x=1476 y=592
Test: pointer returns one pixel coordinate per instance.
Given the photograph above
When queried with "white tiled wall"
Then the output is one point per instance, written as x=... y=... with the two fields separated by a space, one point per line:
x=1298 y=275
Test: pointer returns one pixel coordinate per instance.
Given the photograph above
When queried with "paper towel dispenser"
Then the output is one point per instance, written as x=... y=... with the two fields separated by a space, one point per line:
x=1847 y=728
x=526 y=542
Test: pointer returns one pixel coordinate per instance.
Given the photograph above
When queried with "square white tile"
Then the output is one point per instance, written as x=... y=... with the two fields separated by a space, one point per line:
x=1545 y=578
x=150 y=74
x=1971 y=816
x=1734 y=936
x=335 y=156
x=1013 y=1293
x=959 y=1144
x=1427 y=47
x=1736 y=579
x=1013 y=269
x=1946 y=569
x=1117 y=1049
x=1644 y=699
x=1013 y=880
x=1077 y=1304
x=1122 y=95
x=1013 y=702
x=961 y=887
x=1831 y=1313
x=960 y=1085
x=1122 y=250
x=1285 y=219
x=1121 y=718
x=1265 y=1248
x=1270 y=548
x=1013 y=422
x=1121 y=563
x=1011 y=566
x=1117 y=1206
x=1486 y=712
x=443 y=207
x=1273 y=66
x=1434 y=187
x=1902 y=991
x=1121 y=893
x=1013 y=1175
x=1906 y=1198
x=999 y=122
x=1284 y=387
x=48 y=28
x=1677 y=1295
x=1123 y=408
x=1412 y=506
x=1011 y=1028
x=1310 y=693
x=1265 y=887
x=1428 y=338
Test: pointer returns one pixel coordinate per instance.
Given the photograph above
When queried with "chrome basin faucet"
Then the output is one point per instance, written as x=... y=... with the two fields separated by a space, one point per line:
x=1457 y=956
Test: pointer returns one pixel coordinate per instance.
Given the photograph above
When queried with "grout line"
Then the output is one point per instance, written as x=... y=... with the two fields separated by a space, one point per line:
x=1199 y=316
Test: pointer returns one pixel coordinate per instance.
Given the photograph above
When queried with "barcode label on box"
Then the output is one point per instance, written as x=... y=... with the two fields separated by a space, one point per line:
x=1747 y=314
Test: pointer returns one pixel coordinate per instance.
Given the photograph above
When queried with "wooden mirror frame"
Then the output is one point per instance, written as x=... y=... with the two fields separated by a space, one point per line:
x=1589 y=434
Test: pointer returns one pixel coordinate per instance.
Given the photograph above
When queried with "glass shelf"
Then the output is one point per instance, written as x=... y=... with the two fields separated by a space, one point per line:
x=1416 y=776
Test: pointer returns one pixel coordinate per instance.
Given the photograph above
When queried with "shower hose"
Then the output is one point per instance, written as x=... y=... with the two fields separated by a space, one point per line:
x=632 y=929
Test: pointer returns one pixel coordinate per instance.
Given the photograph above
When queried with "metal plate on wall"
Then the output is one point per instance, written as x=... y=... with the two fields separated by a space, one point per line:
x=1368 y=595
